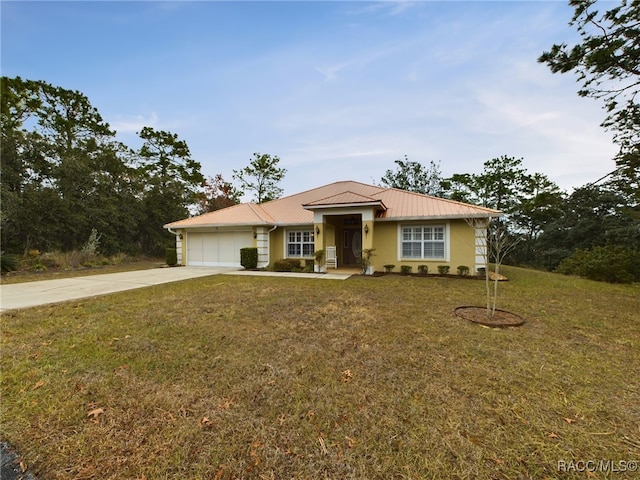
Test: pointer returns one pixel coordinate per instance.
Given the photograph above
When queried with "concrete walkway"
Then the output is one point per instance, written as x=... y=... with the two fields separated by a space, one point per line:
x=31 y=294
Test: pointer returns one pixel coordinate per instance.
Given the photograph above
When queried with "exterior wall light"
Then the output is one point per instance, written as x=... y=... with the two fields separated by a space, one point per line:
x=366 y=229
x=317 y=230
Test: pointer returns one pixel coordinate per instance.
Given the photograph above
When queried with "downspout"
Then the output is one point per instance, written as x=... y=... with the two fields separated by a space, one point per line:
x=269 y=239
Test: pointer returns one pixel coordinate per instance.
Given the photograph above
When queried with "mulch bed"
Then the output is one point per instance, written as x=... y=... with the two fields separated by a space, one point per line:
x=500 y=319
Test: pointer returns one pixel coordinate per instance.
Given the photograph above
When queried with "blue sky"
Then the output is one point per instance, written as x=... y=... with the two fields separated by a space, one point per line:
x=338 y=90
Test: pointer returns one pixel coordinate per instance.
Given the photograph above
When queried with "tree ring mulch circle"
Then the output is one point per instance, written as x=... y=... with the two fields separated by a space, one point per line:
x=501 y=318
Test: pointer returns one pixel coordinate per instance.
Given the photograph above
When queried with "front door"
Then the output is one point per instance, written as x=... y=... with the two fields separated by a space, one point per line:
x=351 y=246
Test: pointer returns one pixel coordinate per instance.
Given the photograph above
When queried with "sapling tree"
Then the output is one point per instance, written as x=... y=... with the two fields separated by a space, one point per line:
x=498 y=243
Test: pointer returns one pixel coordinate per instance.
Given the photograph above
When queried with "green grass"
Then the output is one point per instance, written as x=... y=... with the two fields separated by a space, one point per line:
x=250 y=377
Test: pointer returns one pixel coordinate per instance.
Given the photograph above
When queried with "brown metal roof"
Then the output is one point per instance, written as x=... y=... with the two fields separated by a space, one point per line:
x=345 y=198
x=400 y=205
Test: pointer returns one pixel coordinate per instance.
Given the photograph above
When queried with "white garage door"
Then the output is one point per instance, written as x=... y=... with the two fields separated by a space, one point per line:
x=219 y=249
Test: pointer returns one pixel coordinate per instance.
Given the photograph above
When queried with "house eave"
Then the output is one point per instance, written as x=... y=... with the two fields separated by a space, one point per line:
x=437 y=217
x=216 y=225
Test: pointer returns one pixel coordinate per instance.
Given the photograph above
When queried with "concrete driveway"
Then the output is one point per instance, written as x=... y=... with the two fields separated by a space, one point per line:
x=31 y=294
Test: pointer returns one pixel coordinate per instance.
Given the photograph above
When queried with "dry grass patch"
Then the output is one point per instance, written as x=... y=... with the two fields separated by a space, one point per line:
x=252 y=377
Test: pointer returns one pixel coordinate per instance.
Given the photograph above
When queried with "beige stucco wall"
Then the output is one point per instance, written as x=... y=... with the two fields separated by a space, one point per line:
x=461 y=246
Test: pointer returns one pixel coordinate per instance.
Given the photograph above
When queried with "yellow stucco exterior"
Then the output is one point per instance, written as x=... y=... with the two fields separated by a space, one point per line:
x=386 y=239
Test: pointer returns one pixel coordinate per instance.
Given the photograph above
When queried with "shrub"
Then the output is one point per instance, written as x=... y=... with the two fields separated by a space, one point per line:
x=308 y=266
x=482 y=271
x=443 y=269
x=406 y=269
x=613 y=264
x=249 y=257
x=171 y=256
x=463 y=270
x=423 y=269
x=51 y=259
x=389 y=268
x=287 y=265
x=8 y=262
x=365 y=260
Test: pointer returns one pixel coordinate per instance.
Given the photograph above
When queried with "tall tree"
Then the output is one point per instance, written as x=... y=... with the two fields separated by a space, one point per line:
x=172 y=179
x=55 y=151
x=592 y=216
x=217 y=194
x=607 y=62
x=415 y=177
x=262 y=177
x=501 y=185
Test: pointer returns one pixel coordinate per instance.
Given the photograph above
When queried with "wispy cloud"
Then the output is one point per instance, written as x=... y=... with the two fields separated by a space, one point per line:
x=125 y=124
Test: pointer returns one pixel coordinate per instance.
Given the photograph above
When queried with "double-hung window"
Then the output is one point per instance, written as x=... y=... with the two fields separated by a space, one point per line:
x=423 y=241
x=300 y=243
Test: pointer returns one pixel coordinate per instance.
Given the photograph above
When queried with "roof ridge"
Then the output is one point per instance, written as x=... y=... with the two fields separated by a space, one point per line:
x=343 y=193
x=262 y=214
x=448 y=200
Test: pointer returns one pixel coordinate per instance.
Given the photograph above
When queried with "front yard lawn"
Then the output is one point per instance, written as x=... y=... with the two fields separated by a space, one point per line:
x=260 y=377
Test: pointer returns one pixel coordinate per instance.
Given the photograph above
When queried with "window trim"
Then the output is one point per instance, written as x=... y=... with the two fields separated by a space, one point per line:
x=446 y=242
x=302 y=243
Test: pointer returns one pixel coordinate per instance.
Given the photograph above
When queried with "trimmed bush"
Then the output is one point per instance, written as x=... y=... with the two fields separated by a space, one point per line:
x=249 y=257
x=423 y=269
x=389 y=268
x=482 y=271
x=406 y=269
x=171 y=256
x=443 y=269
x=287 y=265
x=463 y=270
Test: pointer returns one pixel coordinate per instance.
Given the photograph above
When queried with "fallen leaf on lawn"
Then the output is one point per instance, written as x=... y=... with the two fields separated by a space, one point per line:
x=23 y=466
x=95 y=413
x=569 y=420
x=351 y=442
x=553 y=435
x=206 y=422
x=323 y=445
x=38 y=385
x=226 y=405
x=346 y=375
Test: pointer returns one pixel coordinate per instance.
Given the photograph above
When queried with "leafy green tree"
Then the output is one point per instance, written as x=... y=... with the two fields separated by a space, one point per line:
x=262 y=176
x=501 y=185
x=607 y=63
x=591 y=216
x=217 y=194
x=414 y=177
x=172 y=180
x=530 y=202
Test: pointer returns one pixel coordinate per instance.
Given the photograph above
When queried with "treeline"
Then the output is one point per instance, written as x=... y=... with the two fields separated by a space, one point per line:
x=64 y=175
x=593 y=231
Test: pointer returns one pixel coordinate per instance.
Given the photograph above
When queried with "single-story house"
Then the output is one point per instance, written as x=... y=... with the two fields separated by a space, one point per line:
x=404 y=228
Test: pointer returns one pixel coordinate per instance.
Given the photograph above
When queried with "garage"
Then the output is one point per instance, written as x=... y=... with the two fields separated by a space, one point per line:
x=217 y=249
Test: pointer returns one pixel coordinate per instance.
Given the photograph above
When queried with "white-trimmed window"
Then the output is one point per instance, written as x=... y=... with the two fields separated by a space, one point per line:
x=300 y=243
x=423 y=241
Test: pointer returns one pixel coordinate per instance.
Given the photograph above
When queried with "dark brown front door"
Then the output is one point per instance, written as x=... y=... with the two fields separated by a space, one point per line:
x=351 y=246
